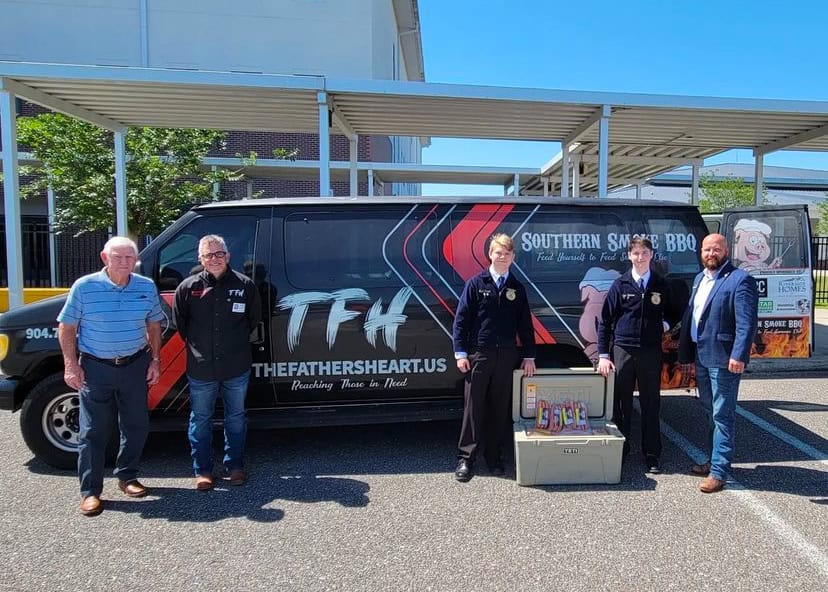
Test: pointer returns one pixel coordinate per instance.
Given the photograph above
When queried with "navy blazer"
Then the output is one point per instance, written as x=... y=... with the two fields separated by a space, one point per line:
x=728 y=322
x=488 y=318
x=633 y=319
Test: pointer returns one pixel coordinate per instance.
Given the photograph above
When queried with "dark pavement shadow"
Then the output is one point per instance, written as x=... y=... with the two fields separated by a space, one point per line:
x=753 y=444
x=253 y=501
x=804 y=482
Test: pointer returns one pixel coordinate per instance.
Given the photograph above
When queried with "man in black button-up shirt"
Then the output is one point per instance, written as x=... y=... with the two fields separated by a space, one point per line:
x=215 y=312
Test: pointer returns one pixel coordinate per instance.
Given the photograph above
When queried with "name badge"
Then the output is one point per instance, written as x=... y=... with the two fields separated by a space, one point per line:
x=238 y=307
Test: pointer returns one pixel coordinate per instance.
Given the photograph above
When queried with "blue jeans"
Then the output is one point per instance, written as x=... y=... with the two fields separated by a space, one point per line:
x=107 y=391
x=718 y=389
x=203 y=395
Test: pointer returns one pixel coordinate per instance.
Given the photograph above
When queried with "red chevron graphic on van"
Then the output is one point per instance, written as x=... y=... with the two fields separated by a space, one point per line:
x=173 y=364
x=465 y=246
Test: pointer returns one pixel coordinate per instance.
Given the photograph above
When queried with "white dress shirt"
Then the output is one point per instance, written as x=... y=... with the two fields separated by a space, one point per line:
x=700 y=300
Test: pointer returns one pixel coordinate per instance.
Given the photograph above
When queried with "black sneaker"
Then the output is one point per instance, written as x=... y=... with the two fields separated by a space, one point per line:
x=463 y=472
x=653 y=466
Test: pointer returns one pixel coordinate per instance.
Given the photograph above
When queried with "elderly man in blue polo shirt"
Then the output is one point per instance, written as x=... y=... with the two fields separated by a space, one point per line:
x=104 y=328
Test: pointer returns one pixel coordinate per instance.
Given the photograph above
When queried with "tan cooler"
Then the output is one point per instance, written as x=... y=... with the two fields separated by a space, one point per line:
x=565 y=458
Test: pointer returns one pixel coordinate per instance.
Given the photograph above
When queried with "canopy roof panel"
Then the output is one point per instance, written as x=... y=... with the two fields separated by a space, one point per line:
x=674 y=129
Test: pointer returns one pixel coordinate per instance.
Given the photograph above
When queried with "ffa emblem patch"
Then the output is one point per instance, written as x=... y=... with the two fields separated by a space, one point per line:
x=655 y=298
x=510 y=294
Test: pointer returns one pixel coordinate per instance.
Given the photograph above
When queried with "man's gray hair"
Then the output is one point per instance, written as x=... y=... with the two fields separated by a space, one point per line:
x=119 y=241
x=213 y=239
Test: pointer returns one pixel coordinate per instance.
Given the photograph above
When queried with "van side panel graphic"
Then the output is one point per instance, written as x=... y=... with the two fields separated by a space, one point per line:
x=465 y=249
x=173 y=368
x=440 y=299
x=426 y=250
x=173 y=363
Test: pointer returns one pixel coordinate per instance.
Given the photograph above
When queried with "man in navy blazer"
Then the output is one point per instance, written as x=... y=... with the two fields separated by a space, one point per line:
x=717 y=332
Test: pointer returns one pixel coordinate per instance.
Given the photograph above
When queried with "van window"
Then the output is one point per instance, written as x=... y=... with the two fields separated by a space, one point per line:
x=676 y=245
x=331 y=250
x=761 y=241
x=179 y=258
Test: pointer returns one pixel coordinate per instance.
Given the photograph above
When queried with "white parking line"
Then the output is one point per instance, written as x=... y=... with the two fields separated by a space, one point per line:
x=814 y=453
x=781 y=528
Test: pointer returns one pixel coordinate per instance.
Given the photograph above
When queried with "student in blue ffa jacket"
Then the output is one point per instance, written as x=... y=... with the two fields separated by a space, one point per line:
x=717 y=332
x=493 y=311
x=215 y=312
x=638 y=309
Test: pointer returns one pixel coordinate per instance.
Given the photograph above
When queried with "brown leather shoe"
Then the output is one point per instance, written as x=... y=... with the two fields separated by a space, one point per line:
x=238 y=477
x=132 y=488
x=204 y=482
x=91 y=506
x=711 y=485
x=700 y=470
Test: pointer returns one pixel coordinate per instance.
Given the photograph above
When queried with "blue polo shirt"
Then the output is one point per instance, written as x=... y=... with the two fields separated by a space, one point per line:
x=111 y=319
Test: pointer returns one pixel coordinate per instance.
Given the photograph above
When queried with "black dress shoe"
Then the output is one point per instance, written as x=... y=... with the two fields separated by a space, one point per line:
x=463 y=472
x=653 y=465
x=497 y=470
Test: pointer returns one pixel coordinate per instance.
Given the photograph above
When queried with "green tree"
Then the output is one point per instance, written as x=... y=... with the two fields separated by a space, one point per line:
x=822 y=227
x=726 y=192
x=163 y=170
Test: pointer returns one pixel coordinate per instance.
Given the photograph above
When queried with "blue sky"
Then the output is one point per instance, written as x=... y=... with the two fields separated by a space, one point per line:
x=748 y=49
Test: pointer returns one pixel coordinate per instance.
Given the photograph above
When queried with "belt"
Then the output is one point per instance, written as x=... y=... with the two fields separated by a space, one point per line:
x=119 y=361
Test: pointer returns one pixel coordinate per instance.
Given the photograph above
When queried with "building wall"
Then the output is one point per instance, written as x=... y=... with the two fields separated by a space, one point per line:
x=101 y=32
x=386 y=59
x=309 y=37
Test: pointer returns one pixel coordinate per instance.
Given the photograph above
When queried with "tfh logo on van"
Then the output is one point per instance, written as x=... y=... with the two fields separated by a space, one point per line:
x=375 y=319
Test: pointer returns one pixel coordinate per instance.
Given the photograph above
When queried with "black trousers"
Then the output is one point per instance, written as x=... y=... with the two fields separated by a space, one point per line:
x=642 y=364
x=487 y=417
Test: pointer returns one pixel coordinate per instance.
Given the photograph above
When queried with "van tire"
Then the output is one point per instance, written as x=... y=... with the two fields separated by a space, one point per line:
x=50 y=422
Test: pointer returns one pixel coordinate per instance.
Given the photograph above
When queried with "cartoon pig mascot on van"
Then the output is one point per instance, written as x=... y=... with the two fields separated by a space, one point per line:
x=594 y=288
x=750 y=247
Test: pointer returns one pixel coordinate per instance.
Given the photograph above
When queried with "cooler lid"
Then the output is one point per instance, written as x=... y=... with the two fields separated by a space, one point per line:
x=558 y=385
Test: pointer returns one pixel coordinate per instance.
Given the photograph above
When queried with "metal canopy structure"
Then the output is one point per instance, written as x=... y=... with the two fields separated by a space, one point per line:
x=385 y=172
x=628 y=164
x=619 y=138
x=226 y=100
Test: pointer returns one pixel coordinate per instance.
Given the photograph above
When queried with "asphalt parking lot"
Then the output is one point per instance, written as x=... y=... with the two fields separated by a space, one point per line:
x=376 y=508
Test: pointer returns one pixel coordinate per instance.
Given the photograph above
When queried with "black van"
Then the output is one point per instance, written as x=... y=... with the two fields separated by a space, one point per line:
x=359 y=297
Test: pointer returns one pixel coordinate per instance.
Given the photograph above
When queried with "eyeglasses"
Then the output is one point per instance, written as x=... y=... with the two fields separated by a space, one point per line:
x=215 y=255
